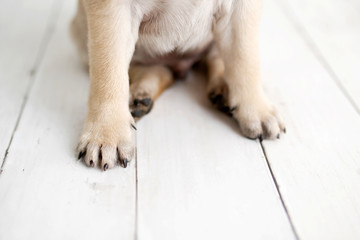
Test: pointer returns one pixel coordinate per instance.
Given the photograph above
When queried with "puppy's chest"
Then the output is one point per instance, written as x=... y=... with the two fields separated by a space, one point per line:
x=181 y=27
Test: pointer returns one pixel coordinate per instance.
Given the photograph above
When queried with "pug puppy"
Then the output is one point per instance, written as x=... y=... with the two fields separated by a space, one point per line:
x=136 y=48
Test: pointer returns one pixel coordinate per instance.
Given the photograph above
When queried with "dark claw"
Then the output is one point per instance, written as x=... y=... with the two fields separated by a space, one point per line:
x=145 y=101
x=224 y=109
x=137 y=113
x=125 y=161
x=219 y=101
x=284 y=130
x=136 y=102
x=278 y=136
x=233 y=109
x=230 y=113
x=133 y=126
x=106 y=166
x=91 y=163
x=215 y=98
x=261 y=138
x=81 y=154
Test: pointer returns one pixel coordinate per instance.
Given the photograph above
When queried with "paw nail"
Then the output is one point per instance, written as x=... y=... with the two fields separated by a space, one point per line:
x=81 y=154
x=125 y=161
x=215 y=98
x=91 y=163
x=145 y=101
x=261 y=138
x=284 y=130
x=278 y=136
x=133 y=126
x=225 y=109
x=106 y=166
x=233 y=109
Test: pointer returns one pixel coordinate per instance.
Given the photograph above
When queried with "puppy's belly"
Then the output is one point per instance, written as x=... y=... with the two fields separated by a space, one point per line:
x=165 y=37
x=179 y=63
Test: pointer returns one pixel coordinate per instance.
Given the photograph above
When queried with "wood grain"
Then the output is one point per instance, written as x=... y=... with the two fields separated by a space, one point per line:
x=317 y=163
x=45 y=192
x=331 y=29
x=198 y=178
x=23 y=34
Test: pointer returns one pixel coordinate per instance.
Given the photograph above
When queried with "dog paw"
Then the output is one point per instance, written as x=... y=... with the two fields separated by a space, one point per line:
x=106 y=145
x=218 y=96
x=141 y=103
x=258 y=119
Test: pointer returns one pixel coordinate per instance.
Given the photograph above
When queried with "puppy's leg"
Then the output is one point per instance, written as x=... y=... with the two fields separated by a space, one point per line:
x=107 y=134
x=236 y=36
x=217 y=88
x=147 y=83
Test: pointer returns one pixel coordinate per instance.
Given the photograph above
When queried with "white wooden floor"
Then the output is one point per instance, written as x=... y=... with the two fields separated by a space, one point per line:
x=194 y=176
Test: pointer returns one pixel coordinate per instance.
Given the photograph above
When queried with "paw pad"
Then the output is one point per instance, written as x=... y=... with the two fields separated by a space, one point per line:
x=140 y=107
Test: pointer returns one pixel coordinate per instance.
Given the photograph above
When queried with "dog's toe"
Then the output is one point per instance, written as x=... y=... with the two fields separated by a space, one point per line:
x=219 y=98
x=106 y=157
x=90 y=154
x=140 y=105
x=259 y=122
x=107 y=146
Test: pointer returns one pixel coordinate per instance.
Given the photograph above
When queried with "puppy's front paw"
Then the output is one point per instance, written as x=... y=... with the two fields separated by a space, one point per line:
x=105 y=143
x=258 y=119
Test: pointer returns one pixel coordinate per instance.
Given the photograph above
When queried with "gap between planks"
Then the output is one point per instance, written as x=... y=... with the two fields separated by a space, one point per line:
x=278 y=191
x=50 y=28
x=302 y=31
x=318 y=55
x=136 y=190
x=44 y=44
x=310 y=43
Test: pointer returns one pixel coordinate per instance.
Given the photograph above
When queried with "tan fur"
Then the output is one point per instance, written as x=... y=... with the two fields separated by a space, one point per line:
x=150 y=80
x=180 y=30
x=147 y=82
x=215 y=70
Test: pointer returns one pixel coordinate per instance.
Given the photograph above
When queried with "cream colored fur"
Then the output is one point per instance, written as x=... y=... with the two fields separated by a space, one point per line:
x=113 y=29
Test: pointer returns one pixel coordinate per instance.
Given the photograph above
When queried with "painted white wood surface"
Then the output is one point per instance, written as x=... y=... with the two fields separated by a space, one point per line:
x=334 y=29
x=198 y=178
x=195 y=171
x=317 y=164
x=23 y=27
x=45 y=193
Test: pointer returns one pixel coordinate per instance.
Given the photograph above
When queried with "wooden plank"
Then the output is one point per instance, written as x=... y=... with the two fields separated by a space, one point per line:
x=317 y=164
x=44 y=192
x=198 y=178
x=332 y=28
x=23 y=27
